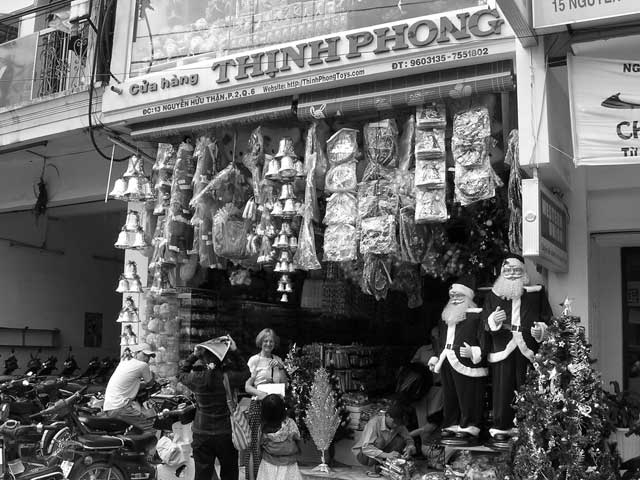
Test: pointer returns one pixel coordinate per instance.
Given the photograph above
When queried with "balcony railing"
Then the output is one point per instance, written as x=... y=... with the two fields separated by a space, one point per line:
x=45 y=63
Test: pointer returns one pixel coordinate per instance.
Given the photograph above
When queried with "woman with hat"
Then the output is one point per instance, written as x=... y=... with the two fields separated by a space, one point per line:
x=212 y=426
x=266 y=368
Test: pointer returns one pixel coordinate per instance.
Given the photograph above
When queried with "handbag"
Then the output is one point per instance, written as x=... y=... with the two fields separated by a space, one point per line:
x=240 y=430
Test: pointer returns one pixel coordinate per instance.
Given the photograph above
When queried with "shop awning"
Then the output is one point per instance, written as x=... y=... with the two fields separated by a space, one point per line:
x=407 y=91
x=255 y=112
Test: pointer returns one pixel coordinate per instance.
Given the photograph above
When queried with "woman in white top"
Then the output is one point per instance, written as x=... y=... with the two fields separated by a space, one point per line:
x=265 y=367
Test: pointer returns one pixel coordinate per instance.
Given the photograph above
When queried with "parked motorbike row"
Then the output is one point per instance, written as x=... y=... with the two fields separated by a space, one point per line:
x=51 y=427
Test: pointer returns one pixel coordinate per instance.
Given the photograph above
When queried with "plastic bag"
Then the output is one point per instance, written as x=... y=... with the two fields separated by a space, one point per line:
x=165 y=157
x=305 y=257
x=431 y=115
x=341 y=178
x=340 y=243
x=205 y=250
x=182 y=184
x=320 y=136
x=471 y=155
x=431 y=173
x=341 y=208
x=474 y=185
x=342 y=146
x=430 y=144
x=378 y=235
x=406 y=144
x=376 y=198
x=204 y=163
x=470 y=126
x=376 y=279
x=412 y=243
x=254 y=160
x=431 y=206
x=230 y=234
x=380 y=140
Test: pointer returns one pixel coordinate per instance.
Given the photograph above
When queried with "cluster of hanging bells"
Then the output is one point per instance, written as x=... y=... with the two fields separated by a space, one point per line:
x=133 y=185
x=129 y=313
x=130 y=280
x=132 y=235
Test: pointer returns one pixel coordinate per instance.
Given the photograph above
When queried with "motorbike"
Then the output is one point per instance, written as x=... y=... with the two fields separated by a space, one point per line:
x=23 y=397
x=35 y=364
x=69 y=366
x=10 y=364
x=47 y=367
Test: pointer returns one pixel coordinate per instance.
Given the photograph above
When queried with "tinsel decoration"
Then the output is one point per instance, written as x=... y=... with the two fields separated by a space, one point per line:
x=562 y=412
x=323 y=418
x=514 y=193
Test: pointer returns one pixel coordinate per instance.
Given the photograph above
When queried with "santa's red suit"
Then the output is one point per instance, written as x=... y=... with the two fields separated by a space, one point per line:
x=512 y=346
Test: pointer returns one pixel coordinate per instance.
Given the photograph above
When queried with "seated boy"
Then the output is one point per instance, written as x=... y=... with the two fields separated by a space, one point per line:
x=385 y=437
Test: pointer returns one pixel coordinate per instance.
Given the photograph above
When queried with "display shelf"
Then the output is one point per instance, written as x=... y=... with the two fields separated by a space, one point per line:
x=29 y=337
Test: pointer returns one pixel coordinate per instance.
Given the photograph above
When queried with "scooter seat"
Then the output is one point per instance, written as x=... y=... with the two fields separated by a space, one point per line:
x=105 y=424
x=141 y=442
x=48 y=473
x=97 y=442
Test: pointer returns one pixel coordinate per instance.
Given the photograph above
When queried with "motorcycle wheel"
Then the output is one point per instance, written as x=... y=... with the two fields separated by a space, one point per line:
x=97 y=471
x=53 y=442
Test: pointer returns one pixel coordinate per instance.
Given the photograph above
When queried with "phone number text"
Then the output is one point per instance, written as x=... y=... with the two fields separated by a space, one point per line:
x=440 y=58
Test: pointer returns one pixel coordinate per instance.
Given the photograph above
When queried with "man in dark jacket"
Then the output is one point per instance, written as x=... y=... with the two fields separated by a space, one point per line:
x=211 y=426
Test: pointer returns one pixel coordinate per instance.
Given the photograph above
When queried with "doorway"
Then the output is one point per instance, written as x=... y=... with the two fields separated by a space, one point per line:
x=630 y=269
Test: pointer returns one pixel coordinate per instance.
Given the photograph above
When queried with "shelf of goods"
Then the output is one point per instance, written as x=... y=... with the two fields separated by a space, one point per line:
x=198 y=313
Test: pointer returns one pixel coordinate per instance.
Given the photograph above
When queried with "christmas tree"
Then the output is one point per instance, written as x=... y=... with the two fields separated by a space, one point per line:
x=323 y=418
x=562 y=413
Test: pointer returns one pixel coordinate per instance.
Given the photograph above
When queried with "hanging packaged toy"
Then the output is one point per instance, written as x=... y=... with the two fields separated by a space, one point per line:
x=431 y=115
x=430 y=144
x=378 y=235
x=341 y=208
x=474 y=185
x=342 y=146
x=431 y=206
x=431 y=173
x=305 y=257
x=412 y=243
x=376 y=278
x=380 y=141
x=340 y=243
x=376 y=198
x=341 y=178
x=406 y=144
x=230 y=234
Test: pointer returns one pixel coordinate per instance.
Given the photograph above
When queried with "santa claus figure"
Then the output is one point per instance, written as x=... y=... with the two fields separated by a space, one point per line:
x=516 y=317
x=461 y=366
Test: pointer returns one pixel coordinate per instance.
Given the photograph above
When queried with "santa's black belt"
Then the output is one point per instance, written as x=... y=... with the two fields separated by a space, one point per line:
x=516 y=328
x=451 y=346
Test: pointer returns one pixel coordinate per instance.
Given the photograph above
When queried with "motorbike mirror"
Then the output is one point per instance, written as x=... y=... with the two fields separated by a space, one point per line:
x=25 y=383
x=4 y=411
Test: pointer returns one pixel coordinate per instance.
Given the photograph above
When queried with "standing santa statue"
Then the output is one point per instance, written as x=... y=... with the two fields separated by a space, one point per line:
x=461 y=365
x=516 y=317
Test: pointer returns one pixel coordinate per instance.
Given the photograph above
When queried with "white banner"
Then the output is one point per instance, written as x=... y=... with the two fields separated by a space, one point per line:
x=605 y=110
x=548 y=13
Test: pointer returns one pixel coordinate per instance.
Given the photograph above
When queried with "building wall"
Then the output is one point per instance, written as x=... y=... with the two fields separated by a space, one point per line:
x=41 y=289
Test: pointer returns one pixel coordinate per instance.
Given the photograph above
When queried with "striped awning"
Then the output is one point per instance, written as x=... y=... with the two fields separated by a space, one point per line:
x=249 y=113
x=369 y=98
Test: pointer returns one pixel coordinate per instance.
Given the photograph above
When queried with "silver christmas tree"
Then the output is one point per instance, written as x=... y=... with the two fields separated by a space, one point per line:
x=323 y=418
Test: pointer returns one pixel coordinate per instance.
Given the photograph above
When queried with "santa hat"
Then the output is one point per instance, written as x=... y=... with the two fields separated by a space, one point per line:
x=515 y=256
x=464 y=286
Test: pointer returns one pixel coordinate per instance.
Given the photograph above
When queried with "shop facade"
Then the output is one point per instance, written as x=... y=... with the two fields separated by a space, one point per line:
x=348 y=77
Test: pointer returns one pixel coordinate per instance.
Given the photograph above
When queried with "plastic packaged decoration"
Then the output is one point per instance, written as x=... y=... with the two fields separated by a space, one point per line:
x=406 y=144
x=341 y=178
x=431 y=115
x=380 y=140
x=430 y=143
x=431 y=173
x=341 y=208
x=431 y=206
x=376 y=198
x=342 y=146
x=378 y=235
x=412 y=243
x=340 y=243
x=305 y=257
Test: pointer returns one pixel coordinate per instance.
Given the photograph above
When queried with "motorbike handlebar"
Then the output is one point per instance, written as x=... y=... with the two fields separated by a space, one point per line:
x=60 y=404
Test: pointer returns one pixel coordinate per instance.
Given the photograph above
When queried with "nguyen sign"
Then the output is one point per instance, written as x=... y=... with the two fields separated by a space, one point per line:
x=551 y=13
x=383 y=51
x=605 y=110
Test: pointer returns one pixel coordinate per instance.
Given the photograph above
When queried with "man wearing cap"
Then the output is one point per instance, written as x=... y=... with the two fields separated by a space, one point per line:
x=460 y=364
x=516 y=317
x=124 y=384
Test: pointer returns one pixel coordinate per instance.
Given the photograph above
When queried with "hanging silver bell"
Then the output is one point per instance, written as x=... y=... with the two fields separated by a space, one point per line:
x=287 y=169
x=119 y=187
x=288 y=288
x=281 y=287
x=133 y=192
x=289 y=208
x=285 y=148
x=134 y=167
x=284 y=298
x=277 y=209
x=123 y=239
x=273 y=168
x=133 y=221
x=292 y=268
x=284 y=256
x=123 y=285
x=286 y=192
x=293 y=243
x=138 y=239
x=135 y=285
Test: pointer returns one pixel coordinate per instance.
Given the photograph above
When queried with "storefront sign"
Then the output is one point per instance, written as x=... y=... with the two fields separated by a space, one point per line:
x=605 y=110
x=427 y=43
x=544 y=226
x=550 y=13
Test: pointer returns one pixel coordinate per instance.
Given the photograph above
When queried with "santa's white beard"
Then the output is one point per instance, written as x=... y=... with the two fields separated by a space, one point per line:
x=509 y=289
x=455 y=313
